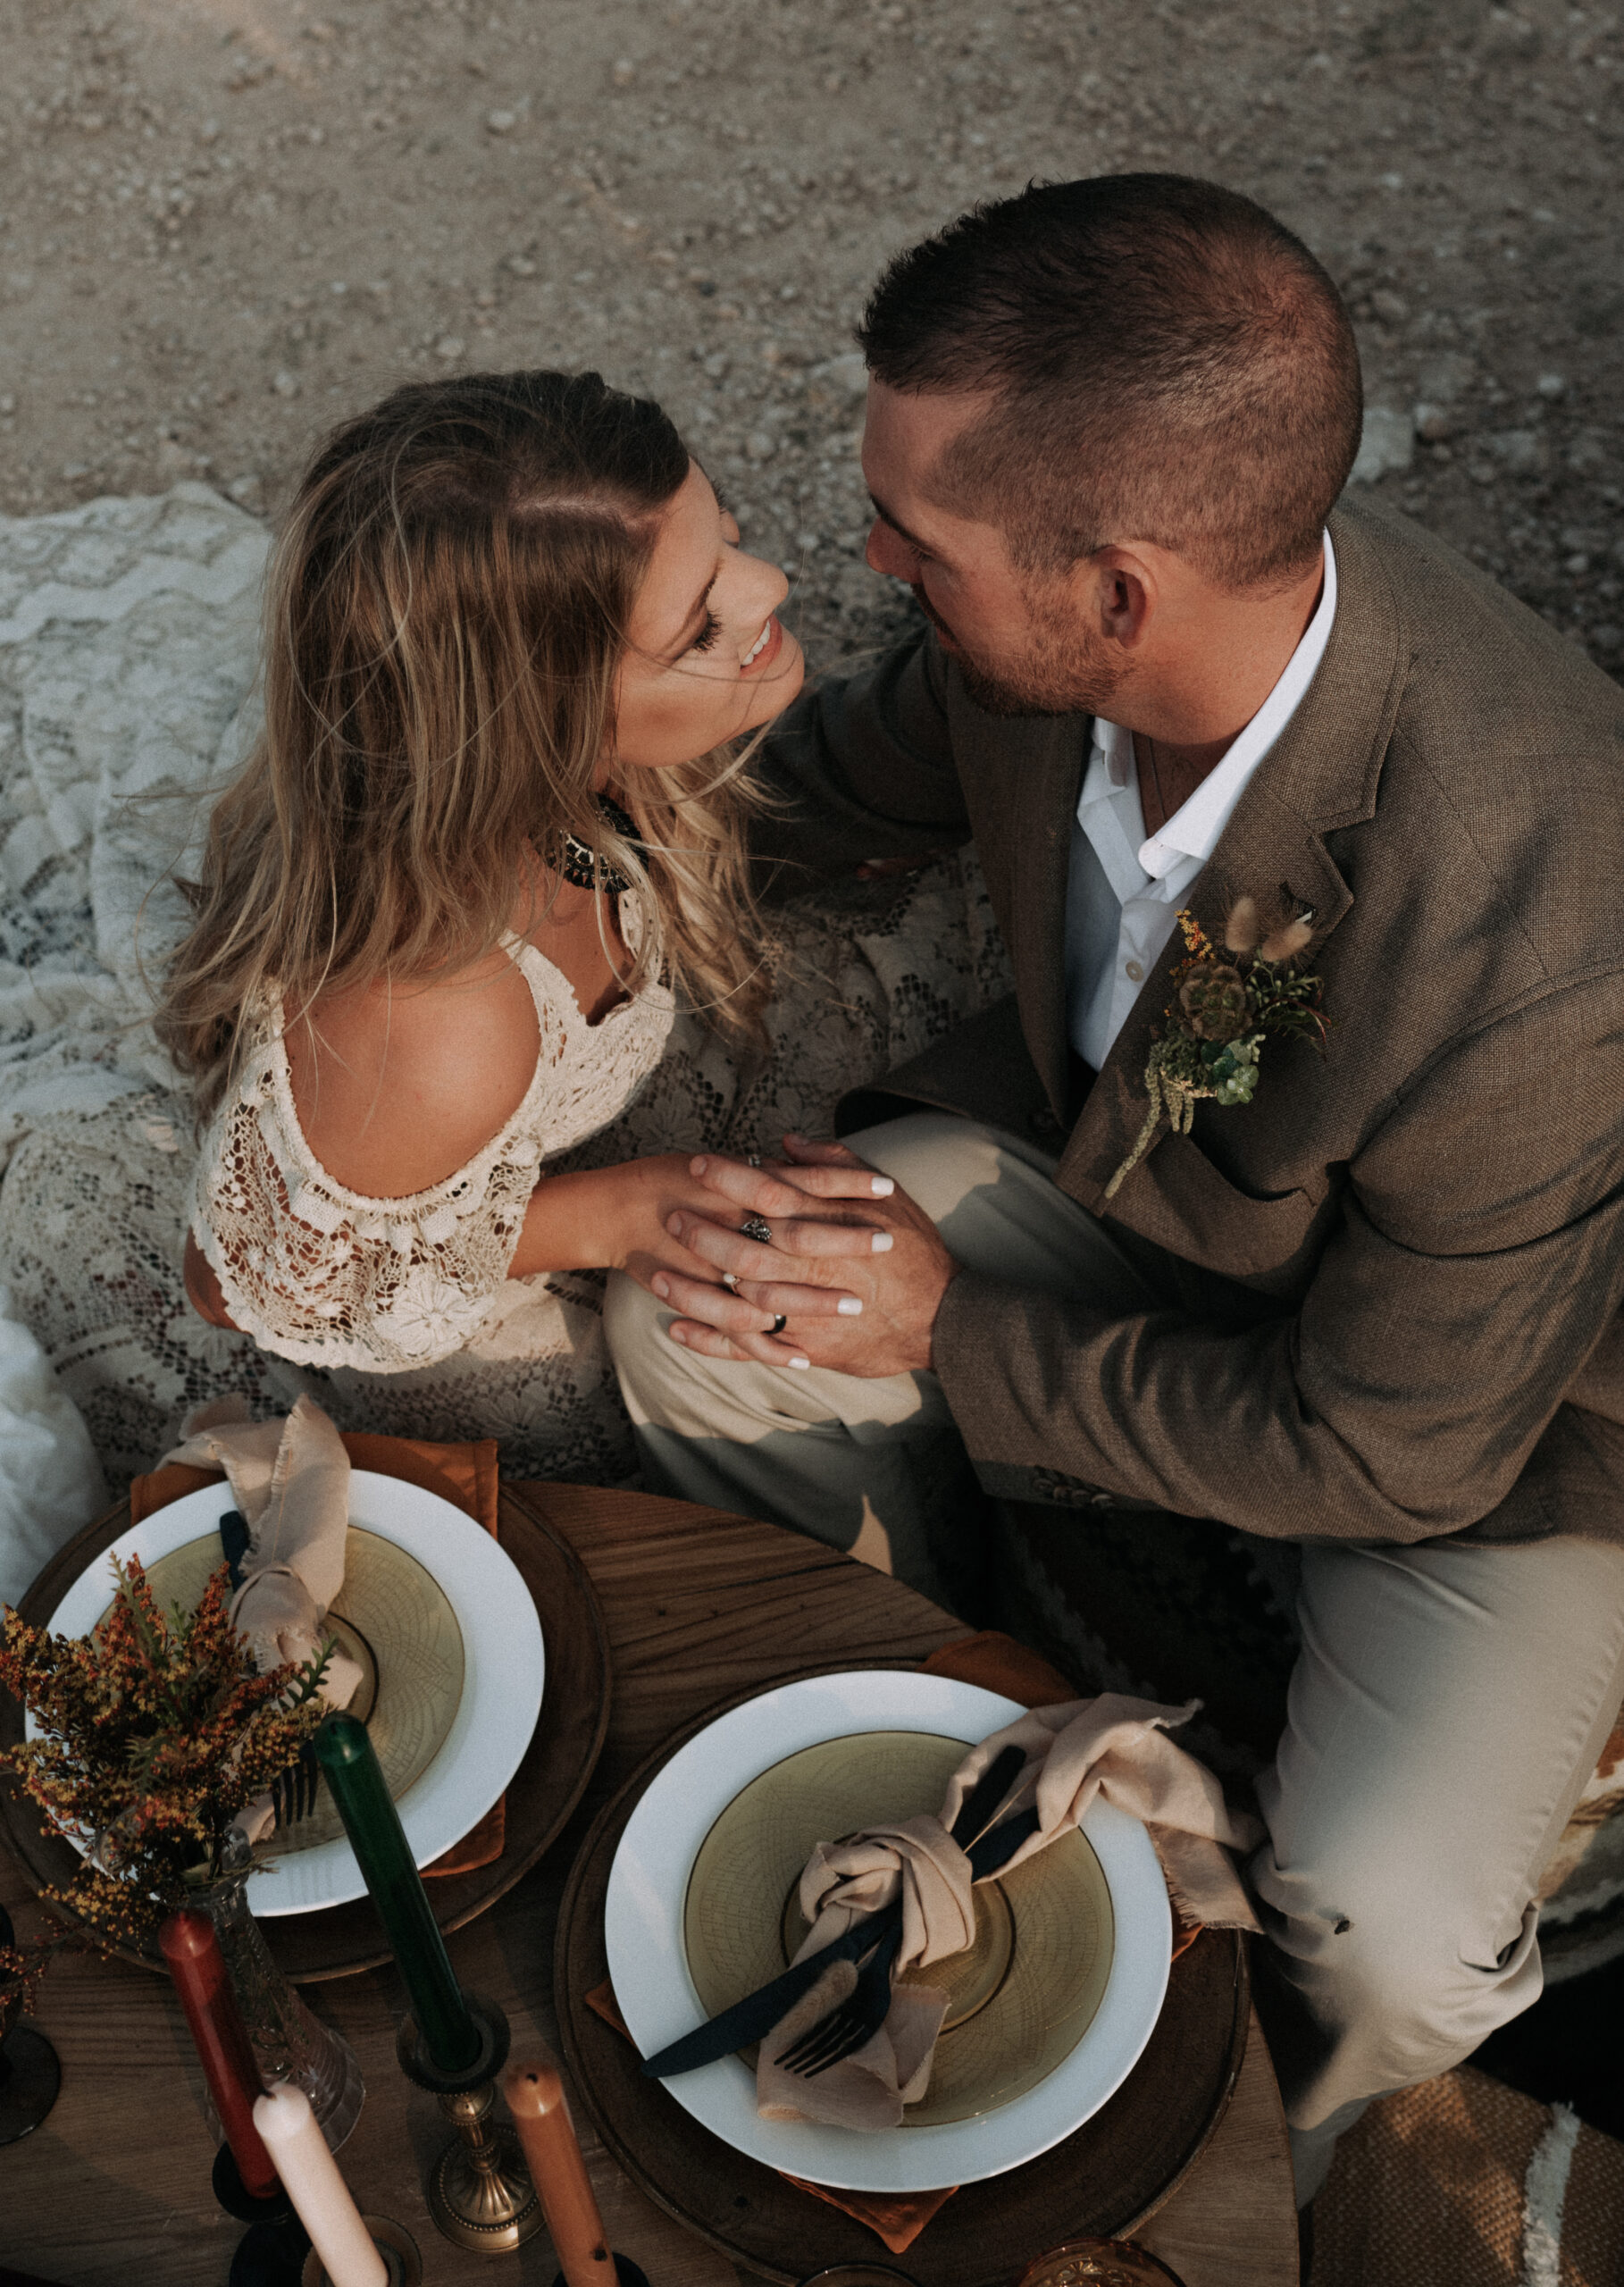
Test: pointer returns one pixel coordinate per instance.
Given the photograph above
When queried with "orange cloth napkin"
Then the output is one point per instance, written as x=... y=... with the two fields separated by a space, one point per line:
x=997 y=1663
x=465 y=1475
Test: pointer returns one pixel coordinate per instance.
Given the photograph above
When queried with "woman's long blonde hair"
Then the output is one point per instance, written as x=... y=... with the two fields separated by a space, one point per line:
x=447 y=609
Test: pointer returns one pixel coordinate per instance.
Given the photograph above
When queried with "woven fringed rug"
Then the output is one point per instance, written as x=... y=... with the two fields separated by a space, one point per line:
x=1463 y=2183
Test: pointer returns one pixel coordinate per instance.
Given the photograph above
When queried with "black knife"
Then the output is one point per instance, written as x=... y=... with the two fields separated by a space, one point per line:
x=754 y=2016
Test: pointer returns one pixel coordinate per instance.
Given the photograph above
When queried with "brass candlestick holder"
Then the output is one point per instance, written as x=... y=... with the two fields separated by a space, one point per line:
x=480 y=2191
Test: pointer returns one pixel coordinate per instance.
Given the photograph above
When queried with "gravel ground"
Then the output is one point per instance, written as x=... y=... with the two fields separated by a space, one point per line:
x=225 y=222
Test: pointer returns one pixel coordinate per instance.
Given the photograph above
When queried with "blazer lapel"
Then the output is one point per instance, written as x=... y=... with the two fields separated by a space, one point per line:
x=1323 y=772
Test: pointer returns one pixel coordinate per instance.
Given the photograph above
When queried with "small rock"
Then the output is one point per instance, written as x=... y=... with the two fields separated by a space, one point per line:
x=286 y=384
x=1444 y=378
x=1392 y=308
x=1387 y=445
x=1521 y=452
x=247 y=491
x=1553 y=387
x=1576 y=564
x=8 y=405
x=623 y=71
x=1433 y=422
x=759 y=446
x=521 y=266
x=449 y=345
x=501 y=122
x=74 y=470
x=841 y=383
x=717 y=365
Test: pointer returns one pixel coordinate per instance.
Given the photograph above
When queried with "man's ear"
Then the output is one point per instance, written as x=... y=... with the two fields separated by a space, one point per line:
x=1123 y=592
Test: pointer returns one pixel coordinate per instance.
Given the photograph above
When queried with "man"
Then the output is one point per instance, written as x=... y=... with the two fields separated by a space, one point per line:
x=1369 y=1318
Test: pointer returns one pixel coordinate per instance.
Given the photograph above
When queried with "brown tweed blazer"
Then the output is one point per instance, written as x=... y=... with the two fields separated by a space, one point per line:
x=1392 y=1282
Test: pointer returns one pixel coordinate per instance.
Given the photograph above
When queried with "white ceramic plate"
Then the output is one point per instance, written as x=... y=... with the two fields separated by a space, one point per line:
x=648 y=1962
x=503 y=1671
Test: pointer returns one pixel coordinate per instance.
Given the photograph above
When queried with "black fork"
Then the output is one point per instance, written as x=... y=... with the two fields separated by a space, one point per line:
x=859 y=2016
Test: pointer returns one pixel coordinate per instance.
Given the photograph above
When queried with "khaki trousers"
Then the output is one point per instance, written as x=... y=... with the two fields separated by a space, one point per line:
x=1448 y=1704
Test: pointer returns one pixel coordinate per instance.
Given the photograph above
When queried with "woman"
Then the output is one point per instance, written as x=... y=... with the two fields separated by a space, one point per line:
x=492 y=840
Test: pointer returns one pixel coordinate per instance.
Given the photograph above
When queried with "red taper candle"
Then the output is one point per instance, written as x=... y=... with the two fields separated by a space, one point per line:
x=536 y=2099
x=197 y=1966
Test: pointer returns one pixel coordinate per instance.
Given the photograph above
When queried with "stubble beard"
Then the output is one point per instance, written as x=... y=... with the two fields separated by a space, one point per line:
x=1063 y=671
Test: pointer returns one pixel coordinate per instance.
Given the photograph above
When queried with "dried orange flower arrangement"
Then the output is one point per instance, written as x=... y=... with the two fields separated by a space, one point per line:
x=153 y=1733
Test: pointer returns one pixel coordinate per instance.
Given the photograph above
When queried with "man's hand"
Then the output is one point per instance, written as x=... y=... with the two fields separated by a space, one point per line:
x=859 y=1292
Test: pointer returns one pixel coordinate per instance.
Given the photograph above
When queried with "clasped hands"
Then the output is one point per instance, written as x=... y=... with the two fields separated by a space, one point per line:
x=851 y=1276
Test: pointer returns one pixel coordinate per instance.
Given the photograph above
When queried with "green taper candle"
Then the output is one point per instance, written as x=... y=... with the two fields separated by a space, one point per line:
x=378 y=1840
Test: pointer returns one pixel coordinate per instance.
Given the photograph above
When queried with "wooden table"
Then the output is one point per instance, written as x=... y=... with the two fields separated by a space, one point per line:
x=698 y=1606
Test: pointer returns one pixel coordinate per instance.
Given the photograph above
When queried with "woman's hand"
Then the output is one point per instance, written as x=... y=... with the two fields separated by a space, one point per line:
x=888 y=1261
x=621 y=1217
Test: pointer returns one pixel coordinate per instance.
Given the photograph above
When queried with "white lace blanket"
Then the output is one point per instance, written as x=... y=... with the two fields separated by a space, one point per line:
x=128 y=634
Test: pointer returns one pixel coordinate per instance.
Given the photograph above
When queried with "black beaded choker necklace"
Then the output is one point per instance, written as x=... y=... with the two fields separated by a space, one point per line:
x=586 y=867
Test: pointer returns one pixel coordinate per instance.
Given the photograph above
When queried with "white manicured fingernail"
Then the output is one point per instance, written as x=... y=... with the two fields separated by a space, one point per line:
x=660 y=1288
x=800 y=1361
x=882 y=1243
x=848 y=1307
x=883 y=1186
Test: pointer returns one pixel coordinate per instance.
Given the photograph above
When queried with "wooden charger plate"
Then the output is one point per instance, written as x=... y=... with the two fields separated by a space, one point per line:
x=1100 y=2182
x=542 y=1793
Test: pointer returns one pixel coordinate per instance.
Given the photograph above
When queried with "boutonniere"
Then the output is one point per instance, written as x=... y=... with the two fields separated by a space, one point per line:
x=1227 y=1001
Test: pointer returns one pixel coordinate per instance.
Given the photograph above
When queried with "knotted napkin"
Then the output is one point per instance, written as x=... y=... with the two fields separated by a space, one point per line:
x=290 y=1481
x=1111 y=1747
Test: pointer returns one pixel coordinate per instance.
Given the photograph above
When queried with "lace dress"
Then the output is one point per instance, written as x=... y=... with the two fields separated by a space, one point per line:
x=128 y=637
x=325 y=1277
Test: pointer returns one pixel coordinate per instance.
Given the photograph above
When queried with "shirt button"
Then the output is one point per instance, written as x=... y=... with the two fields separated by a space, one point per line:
x=1135 y=971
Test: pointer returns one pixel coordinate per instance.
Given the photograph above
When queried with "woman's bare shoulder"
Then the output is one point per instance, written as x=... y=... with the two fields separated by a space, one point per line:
x=398 y=1087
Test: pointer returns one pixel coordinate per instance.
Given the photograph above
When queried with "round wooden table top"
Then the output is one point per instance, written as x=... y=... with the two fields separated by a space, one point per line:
x=699 y=1606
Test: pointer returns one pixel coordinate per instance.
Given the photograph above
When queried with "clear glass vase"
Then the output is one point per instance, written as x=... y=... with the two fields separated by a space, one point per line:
x=289 y=2042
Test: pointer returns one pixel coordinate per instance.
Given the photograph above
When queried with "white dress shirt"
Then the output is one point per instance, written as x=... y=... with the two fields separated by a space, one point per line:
x=1123 y=892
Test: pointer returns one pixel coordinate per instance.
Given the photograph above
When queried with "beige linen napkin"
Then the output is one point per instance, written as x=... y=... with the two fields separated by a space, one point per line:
x=290 y=1481
x=1112 y=1746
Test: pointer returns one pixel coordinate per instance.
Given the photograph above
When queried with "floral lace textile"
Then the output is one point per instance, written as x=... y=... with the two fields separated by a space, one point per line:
x=127 y=645
x=327 y=1277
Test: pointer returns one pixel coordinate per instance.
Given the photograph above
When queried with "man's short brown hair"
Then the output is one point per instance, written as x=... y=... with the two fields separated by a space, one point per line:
x=1167 y=364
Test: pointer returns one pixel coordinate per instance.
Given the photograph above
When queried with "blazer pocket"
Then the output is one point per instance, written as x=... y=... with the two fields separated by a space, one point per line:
x=1176 y=1198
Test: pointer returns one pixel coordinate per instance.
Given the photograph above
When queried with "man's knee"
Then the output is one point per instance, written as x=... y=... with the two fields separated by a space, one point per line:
x=650 y=1364
x=1370 y=1940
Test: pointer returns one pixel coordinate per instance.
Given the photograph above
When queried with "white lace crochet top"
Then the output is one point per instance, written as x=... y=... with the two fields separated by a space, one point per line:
x=325 y=1277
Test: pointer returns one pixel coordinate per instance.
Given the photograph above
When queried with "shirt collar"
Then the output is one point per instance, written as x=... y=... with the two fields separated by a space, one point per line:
x=1192 y=831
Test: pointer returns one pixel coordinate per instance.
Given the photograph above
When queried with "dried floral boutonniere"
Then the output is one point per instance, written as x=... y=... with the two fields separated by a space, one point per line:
x=1225 y=1003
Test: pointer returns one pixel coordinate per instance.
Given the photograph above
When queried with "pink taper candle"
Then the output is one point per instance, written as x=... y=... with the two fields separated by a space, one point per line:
x=320 y=2195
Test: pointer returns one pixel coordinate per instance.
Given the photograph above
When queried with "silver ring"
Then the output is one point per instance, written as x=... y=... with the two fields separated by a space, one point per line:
x=757 y=1228
x=754 y=1160
x=779 y=1324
